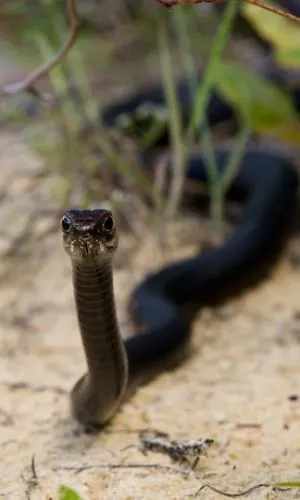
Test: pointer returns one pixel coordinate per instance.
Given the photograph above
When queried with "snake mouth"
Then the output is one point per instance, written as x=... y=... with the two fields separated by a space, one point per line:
x=87 y=248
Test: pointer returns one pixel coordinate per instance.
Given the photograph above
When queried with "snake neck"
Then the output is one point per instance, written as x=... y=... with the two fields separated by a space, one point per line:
x=97 y=395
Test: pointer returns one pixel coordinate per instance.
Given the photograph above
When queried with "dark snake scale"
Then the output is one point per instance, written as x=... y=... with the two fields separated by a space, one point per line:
x=167 y=300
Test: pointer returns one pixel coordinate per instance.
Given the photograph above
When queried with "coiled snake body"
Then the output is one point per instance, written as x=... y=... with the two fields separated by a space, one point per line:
x=268 y=186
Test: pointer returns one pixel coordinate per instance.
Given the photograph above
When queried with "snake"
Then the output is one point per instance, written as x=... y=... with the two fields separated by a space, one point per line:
x=163 y=305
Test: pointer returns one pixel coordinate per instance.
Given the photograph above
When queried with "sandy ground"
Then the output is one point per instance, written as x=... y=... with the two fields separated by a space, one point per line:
x=235 y=388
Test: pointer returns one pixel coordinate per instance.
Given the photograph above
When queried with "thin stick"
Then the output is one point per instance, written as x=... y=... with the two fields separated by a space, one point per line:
x=32 y=481
x=122 y=466
x=241 y=493
x=257 y=3
x=28 y=82
x=33 y=387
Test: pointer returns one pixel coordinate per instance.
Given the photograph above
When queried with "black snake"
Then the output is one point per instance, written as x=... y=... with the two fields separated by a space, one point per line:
x=167 y=299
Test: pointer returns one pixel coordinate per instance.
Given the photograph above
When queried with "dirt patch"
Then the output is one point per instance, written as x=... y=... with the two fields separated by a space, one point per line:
x=235 y=388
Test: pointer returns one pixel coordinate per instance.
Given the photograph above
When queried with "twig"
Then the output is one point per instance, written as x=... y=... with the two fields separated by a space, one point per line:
x=27 y=83
x=257 y=3
x=124 y=430
x=33 y=387
x=247 y=425
x=242 y=493
x=32 y=481
x=156 y=466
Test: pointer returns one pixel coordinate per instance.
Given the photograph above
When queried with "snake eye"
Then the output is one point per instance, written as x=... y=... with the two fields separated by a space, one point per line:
x=65 y=224
x=108 y=224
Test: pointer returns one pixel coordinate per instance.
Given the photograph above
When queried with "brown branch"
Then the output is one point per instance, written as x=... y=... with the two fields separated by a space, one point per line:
x=27 y=83
x=257 y=3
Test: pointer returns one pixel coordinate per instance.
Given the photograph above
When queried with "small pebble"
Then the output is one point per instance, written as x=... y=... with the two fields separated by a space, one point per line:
x=293 y=397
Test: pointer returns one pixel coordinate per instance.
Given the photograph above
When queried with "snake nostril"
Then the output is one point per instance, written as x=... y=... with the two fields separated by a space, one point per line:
x=108 y=224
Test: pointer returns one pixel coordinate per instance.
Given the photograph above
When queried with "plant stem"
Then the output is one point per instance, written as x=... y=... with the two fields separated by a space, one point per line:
x=198 y=121
x=236 y=156
x=185 y=46
x=214 y=183
x=178 y=153
x=204 y=89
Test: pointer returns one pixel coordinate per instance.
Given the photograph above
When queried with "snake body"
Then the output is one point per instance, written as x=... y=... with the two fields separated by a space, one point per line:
x=268 y=186
x=142 y=104
x=90 y=239
x=166 y=301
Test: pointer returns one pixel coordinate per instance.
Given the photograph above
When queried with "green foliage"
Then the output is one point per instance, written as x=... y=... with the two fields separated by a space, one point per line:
x=269 y=105
x=80 y=141
x=218 y=184
x=271 y=109
x=66 y=493
x=287 y=484
x=218 y=45
x=281 y=32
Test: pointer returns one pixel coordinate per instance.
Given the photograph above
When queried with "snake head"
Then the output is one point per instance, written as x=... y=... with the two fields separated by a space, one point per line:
x=89 y=234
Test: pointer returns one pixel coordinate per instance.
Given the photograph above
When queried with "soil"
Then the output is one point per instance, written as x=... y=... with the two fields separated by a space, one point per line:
x=240 y=385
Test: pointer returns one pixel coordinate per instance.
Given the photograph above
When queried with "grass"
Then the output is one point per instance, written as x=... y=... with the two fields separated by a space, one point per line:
x=74 y=150
x=73 y=118
x=182 y=141
x=80 y=144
